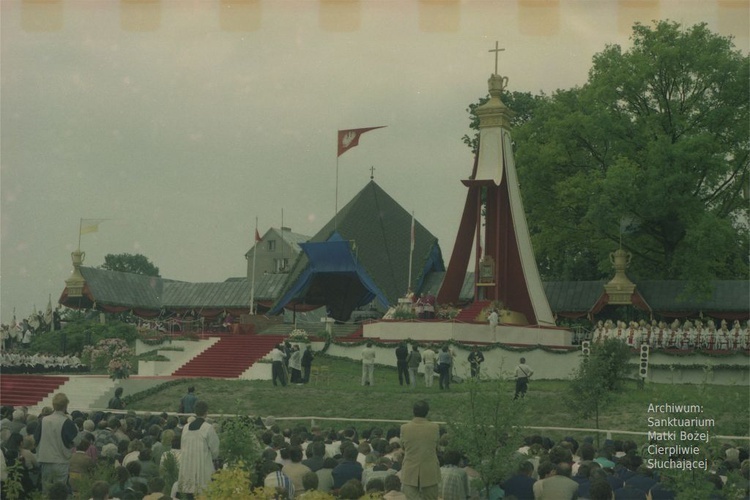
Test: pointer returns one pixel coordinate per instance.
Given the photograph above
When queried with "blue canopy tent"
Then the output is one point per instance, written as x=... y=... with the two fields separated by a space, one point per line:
x=333 y=277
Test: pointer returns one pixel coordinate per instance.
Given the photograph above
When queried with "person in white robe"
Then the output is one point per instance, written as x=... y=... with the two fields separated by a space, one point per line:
x=199 y=448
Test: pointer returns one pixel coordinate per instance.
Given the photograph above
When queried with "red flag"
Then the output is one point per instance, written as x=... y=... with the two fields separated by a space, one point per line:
x=350 y=138
x=257 y=236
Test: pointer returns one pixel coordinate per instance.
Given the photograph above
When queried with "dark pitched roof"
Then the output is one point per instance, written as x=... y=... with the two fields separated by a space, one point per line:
x=724 y=295
x=146 y=292
x=380 y=230
x=124 y=289
x=569 y=296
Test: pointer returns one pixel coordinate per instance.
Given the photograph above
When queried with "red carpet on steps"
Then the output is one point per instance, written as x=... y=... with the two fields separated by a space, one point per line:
x=469 y=314
x=27 y=390
x=230 y=356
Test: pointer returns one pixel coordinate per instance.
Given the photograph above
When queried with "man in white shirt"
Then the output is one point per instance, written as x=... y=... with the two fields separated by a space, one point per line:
x=277 y=366
x=493 y=319
x=428 y=358
x=368 y=365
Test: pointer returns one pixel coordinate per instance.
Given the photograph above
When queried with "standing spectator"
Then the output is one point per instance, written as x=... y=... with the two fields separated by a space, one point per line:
x=116 y=402
x=26 y=338
x=368 y=364
x=307 y=359
x=493 y=319
x=277 y=365
x=445 y=361
x=287 y=348
x=54 y=437
x=428 y=358
x=414 y=361
x=402 y=352
x=187 y=403
x=523 y=374
x=199 y=447
x=295 y=369
x=476 y=358
x=420 y=469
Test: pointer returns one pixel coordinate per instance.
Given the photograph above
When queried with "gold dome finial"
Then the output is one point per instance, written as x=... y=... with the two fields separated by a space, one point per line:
x=494 y=113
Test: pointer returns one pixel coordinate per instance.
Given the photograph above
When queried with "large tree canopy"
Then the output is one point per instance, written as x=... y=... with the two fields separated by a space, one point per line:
x=651 y=152
x=130 y=263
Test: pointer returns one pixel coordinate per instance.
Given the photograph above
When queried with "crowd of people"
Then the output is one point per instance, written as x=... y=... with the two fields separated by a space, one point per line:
x=698 y=334
x=56 y=451
x=21 y=362
x=20 y=332
x=436 y=360
x=291 y=364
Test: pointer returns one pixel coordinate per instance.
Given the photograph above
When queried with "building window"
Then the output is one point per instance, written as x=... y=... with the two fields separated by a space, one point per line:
x=271 y=245
x=282 y=265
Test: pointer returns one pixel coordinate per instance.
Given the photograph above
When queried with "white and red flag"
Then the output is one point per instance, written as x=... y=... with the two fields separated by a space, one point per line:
x=350 y=138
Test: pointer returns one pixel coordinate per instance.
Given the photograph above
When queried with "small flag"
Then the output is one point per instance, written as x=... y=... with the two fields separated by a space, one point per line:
x=350 y=138
x=90 y=225
x=257 y=236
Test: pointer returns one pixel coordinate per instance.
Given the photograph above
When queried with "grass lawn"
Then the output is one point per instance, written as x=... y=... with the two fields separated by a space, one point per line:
x=343 y=397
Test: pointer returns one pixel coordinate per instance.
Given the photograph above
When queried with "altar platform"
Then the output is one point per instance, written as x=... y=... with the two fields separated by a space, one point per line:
x=441 y=331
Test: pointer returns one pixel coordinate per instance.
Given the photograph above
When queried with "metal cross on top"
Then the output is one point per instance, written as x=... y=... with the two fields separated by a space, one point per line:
x=496 y=50
x=372 y=173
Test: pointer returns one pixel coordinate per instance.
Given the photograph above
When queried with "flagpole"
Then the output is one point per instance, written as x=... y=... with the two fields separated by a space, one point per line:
x=411 y=252
x=336 y=209
x=252 y=285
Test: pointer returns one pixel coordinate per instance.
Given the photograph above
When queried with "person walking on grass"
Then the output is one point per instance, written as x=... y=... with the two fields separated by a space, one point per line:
x=187 y=403
x=523 y=374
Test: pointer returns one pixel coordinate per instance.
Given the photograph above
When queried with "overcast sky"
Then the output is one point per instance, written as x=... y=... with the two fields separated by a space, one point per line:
x=183 y=121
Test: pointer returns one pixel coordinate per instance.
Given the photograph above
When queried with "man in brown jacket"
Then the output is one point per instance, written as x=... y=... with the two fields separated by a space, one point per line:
x=420 y=469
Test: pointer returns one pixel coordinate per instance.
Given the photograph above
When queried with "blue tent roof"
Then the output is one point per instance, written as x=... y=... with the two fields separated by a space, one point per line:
x=333 y=259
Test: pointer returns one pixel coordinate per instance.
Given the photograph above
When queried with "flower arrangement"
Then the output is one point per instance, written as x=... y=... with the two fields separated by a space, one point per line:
x=149 y=336
x=111 y=354
x=299 y=335
x=119 y=368
x=447 y=312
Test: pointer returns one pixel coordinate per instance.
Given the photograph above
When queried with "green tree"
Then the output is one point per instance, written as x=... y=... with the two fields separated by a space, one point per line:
x=490 y=426
x=651 y=152
x=598 y=378
x=129 y=263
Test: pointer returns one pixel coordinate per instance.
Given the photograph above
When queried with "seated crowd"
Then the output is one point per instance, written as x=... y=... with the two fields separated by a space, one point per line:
x=298 y=462
x=696 y=334
x=21 y=362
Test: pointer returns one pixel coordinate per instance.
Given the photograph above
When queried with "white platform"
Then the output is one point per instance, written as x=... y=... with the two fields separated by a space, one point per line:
x=468 y=332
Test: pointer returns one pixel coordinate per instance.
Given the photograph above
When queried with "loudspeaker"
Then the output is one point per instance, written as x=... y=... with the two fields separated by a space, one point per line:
x=586 y=347
x=643 y=369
